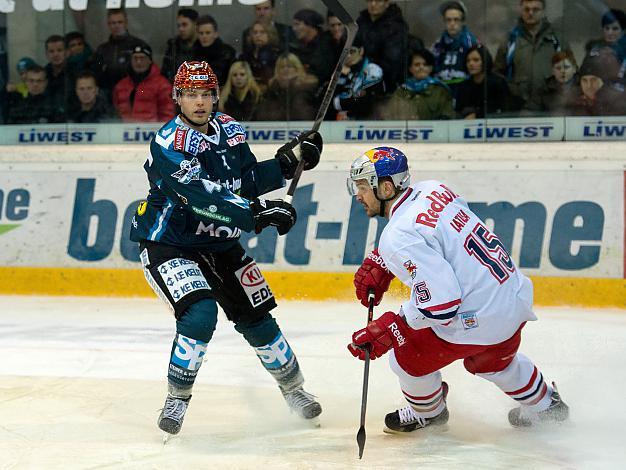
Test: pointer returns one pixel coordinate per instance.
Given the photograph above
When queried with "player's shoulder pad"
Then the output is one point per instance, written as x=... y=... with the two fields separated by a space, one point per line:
x=234 y=131
x=165 y=135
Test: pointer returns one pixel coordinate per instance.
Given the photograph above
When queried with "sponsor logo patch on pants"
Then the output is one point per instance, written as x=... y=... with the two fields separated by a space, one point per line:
x=182 y=277
x=254 y=284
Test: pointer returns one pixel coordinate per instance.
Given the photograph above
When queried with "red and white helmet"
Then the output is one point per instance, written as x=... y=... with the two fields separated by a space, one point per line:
x=195 y=75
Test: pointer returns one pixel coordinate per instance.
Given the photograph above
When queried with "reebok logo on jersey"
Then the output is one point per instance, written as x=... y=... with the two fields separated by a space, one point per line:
x=395 y=331
x=438 y=202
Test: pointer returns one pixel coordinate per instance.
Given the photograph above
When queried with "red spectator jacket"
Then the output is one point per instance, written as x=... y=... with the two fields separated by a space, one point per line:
x=152 y=101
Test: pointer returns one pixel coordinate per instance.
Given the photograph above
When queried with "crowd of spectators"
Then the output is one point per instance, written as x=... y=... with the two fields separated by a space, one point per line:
x=282 y=70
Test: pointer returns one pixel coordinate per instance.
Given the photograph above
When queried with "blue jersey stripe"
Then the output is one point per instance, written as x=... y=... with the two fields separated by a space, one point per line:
x=160 y=224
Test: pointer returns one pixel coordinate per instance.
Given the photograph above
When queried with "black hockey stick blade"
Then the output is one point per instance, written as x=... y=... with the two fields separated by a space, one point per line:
x=351 y=28
x=360 y=435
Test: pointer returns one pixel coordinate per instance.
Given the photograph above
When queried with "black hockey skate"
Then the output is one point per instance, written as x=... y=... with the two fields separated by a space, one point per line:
x=172 y=415
x=406 y=420
x=302 y=403
x=557 y=412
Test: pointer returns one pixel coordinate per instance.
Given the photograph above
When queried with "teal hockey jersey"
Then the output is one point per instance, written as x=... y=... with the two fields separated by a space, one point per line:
x=201 y=185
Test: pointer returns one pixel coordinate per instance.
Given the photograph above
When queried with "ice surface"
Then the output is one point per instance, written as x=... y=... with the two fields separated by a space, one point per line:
x=82 y=379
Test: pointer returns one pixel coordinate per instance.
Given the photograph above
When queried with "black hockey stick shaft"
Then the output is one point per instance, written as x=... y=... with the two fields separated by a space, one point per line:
x=337 y=8
x=360 y=436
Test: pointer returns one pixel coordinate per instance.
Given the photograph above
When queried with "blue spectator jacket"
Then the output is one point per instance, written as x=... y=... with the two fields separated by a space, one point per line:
x=201 y=186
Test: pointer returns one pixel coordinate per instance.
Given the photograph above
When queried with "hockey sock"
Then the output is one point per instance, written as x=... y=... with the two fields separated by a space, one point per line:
x=424 y=394
x=185 y=361
x=194 y=330
x=523 y=382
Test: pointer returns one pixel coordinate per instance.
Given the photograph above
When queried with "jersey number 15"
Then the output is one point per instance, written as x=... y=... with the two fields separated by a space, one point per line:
x=490 y=252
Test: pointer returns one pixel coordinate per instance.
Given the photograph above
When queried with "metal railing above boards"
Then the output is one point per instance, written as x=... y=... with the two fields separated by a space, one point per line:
x=542 y=129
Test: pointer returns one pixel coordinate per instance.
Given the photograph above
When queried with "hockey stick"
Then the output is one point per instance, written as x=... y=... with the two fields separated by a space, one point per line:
x=360 y=436
x=337 y=8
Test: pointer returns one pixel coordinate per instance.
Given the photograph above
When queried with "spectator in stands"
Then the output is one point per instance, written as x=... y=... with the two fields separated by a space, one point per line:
x=265 y=12
x=212 y=49
x=525 y=57
x=387 y=40
x=311 y=47
x=110 y=62
x=91 y=105
x=422 y=96
x=262 y=51
x=58 y=80
x=557 y=91
x=241 y=94
x=613 y=26
x=181 y=47
x=291 y=92
x=36 y=107
x=482 y=90
x=78 y=53
x=335 y=34
x=601 y=91
x=452 y=47
x=22 y=66
x=360 y=86
x=144 y=95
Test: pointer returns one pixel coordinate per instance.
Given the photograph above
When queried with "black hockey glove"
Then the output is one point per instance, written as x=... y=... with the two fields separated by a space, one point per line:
x=274 y=212
x=311 y=146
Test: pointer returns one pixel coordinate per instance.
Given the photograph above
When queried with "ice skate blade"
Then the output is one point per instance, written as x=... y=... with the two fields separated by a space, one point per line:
x=314 y=422
x=432 y=429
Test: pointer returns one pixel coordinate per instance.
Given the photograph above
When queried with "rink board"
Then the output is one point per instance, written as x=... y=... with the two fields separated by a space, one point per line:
x=64 y=222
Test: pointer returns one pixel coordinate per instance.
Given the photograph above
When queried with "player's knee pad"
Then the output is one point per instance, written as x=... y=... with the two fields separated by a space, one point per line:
x=258 y=332
x=199 y=320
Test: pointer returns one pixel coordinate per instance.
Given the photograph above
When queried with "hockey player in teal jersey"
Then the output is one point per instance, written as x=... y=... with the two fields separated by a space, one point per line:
x=205 y=185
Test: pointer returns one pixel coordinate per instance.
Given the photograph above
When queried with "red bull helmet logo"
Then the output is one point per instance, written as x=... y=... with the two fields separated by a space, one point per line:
x=376 y=155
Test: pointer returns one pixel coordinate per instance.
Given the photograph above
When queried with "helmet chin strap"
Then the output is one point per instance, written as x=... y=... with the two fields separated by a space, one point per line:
x=197 y=124
x=384 y=201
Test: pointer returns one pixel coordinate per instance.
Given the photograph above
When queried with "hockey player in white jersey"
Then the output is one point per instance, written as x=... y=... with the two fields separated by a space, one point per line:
x=468 y=300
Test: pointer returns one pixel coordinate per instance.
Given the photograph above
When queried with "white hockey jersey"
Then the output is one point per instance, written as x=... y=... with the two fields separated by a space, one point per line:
x=463 y=283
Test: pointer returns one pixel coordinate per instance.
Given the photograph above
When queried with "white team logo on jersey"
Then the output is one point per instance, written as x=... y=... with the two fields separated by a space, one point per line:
x=189 y=171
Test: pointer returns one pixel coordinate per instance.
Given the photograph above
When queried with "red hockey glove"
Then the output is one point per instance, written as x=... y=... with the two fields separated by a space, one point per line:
x=373 y=274
x=379 y=336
